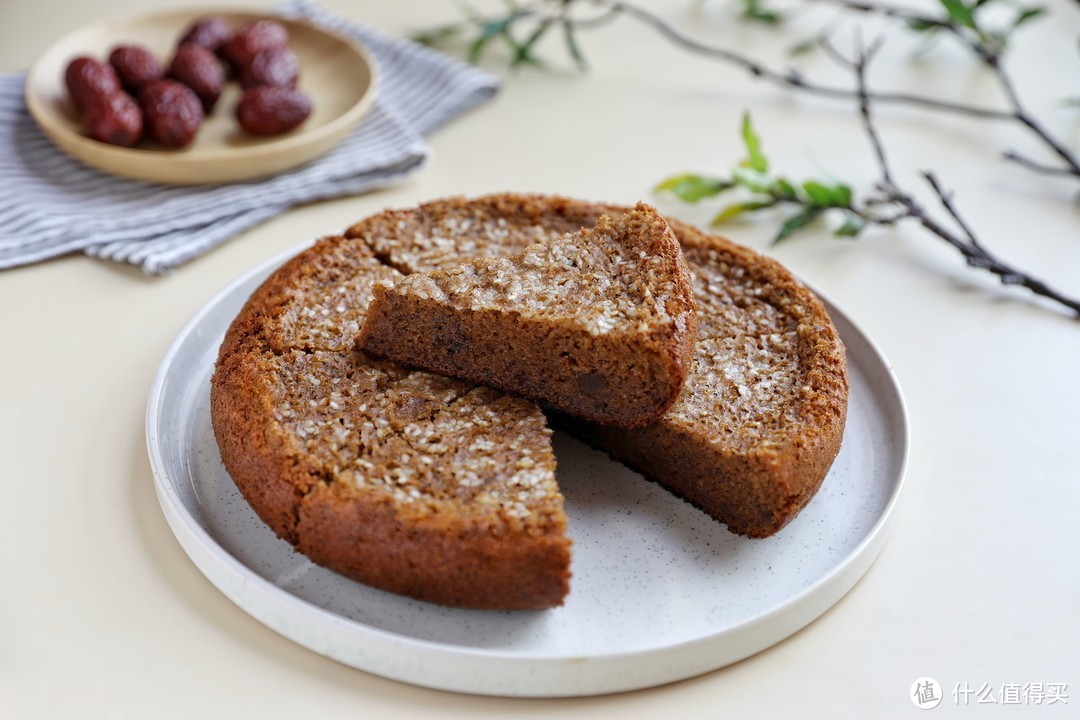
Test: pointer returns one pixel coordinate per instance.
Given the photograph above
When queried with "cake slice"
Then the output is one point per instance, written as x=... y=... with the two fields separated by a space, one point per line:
x=599 y=324
x=761 y=416
x=401 y=479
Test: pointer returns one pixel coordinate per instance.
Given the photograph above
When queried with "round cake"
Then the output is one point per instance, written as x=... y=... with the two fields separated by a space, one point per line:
x=445 y=491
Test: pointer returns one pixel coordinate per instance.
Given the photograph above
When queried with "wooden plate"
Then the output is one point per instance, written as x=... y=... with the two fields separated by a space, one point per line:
x=339 y=75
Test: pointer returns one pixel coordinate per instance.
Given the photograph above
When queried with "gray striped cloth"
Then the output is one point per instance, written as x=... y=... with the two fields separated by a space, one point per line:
x=51 y=205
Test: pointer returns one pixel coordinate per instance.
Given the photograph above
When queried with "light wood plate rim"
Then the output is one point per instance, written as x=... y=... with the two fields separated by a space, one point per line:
x=202 y=165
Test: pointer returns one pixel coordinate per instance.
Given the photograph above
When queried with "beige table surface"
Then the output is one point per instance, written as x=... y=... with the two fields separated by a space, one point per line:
x=103 y=615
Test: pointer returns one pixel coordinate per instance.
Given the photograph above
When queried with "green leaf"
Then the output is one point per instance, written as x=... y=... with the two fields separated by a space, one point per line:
x=853 y=225
x=523 y=52
x=959 y=13
x=756 y=160
x=842 y=195
x=804 y=47
x=754 y=10
x=495 y=27
x=825 y=196
x=785 y=190
x=488 y=31
x=923 y=24
x=797 y=223
x=436 y=35
x=753 y=180
x=819 y=195
x=1027 y=15
x=476 y=49
x=573 y=48
x=694 y=188
x=732 y=211
x=767 y=17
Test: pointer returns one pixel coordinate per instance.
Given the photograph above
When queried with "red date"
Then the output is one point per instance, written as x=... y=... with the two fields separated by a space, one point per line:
x=200 y=70
x=173 y=101
x=172 y=111
x=87 y=79
x=253 y=38
x=135 y=66
x=114 y=119
x=270 y=110
x=208 y=32
x=276 y=66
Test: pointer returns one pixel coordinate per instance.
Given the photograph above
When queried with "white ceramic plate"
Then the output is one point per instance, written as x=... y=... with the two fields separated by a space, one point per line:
x=338 y=74
x=660 y=592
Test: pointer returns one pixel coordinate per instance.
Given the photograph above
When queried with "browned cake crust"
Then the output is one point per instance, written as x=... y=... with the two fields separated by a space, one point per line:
x=761 y=416
x=403 y=480
x=444 y=233
x=599 y=323
x=444 y=491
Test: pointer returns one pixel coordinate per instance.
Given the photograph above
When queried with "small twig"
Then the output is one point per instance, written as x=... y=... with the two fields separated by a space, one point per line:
x=909 y=16
x=1030 y=164
x=990 y=56
x=1072 y=165
x=792 y=78
x=859 y=67
x=978 y=42
x=893 y=11
x=815 y=198
x=975 y=253
x=592 y=23
x=789 y=78
x=945 y=198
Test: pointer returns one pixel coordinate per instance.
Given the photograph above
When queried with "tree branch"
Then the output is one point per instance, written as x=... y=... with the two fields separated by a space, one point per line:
x=792 y=78
x=974 y=252
x=990 y=55
x=1013 y=156
x=542 y=12
x=874 y=210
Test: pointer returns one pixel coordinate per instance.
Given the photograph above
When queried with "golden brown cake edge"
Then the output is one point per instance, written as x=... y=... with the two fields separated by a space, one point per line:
x=440 y=560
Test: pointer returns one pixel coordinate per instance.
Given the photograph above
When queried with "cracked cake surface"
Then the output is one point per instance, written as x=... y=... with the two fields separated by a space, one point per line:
x=599 y=323
x=761 y=415
x=402 y=479
x=443 y=490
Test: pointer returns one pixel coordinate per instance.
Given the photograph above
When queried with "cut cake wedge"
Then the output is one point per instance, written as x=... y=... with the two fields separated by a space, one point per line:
x=761 y=416
x=403 y=480
x=599 y=324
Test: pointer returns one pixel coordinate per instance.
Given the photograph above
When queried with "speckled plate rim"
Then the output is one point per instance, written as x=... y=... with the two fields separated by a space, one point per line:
x=505 y=672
